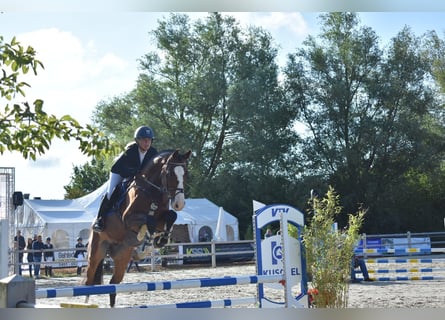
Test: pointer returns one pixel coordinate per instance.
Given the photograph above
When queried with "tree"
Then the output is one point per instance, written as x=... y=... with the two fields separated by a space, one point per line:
x=435 y=52
x=212 y=87
x=26 y=127
x=371 y=116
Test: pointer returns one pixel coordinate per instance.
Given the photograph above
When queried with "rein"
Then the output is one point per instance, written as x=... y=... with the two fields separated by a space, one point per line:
x=164 y=184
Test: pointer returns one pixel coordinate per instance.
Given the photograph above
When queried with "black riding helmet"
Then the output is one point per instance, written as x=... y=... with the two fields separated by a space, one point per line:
x=144 y=132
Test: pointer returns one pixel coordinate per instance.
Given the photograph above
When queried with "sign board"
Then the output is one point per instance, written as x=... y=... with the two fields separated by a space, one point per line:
x=281 y=254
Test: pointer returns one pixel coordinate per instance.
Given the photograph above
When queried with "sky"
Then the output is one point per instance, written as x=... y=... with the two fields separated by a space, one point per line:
x=92 y=56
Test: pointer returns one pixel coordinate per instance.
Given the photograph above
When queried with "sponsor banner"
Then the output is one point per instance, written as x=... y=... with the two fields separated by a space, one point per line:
x=394 y=245
x=272 y=260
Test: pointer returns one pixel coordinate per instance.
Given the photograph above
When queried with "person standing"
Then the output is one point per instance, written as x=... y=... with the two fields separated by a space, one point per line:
x=127 y=165
x=49 y=257
x=38 y=246
x=80 y=255
x=359 y=262
x=20 y=245
x=29 y=256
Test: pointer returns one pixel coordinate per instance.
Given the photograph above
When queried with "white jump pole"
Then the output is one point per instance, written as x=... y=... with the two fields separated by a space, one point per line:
x=4 y=246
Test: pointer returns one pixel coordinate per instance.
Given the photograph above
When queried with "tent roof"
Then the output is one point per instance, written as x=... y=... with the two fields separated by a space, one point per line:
x=196 y=211
x=202 y=211
x=60 y=211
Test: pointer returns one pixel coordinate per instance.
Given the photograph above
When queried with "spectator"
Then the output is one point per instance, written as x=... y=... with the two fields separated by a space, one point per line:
x=20 y=244
x=29 y=256
x=38 y=246
x=359 y=262
x=80 y=255
x=268 y=233
x=49 y=257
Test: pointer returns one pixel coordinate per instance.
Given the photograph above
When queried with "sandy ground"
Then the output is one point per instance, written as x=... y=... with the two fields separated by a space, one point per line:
x=378 y=294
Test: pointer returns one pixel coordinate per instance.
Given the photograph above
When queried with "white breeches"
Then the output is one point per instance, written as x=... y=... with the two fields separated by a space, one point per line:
x=113 y=181
x=49 y=259
x=80 y=260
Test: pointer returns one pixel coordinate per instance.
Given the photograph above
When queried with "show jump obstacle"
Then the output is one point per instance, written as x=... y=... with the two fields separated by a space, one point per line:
x=281 y=254
x=280 y=265
x=403 y=269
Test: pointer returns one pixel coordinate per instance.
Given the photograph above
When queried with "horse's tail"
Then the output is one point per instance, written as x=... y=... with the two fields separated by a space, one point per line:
x=98 y=275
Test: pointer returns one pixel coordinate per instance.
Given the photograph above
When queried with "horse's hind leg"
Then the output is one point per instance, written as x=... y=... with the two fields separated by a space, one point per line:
x=121 y=261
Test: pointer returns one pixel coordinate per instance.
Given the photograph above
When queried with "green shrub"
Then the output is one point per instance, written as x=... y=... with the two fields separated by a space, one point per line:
x=329 y=252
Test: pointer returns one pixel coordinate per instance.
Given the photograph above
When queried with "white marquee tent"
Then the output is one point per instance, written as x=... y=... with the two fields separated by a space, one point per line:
x=65 y=220
x=62 y=220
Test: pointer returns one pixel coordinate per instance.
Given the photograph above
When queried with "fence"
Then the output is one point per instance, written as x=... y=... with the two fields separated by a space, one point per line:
x=401 y=244
x=178 y=253
x=212 y=253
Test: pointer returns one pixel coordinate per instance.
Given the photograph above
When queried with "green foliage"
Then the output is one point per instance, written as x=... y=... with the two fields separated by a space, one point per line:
x=329 y=253
x=435 y=52
x=373 y=116
x=212 y=87
x=26 y=127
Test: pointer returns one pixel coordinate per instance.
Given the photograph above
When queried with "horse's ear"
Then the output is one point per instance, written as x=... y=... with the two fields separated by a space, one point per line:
x=187 y=154
x=174 y=155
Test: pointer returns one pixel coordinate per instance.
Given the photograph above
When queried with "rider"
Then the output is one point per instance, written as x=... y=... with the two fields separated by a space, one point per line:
x=134 y=158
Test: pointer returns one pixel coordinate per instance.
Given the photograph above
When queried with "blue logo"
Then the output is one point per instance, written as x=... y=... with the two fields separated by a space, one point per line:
x=277 y=210
x=277 y=253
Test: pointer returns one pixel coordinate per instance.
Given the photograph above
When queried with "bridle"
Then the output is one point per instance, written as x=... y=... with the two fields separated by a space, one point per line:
x=164 y=174
x=163 y=188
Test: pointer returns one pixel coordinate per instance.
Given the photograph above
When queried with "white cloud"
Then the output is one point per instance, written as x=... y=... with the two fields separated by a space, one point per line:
x=109 y=64
x=288 y=29
x=289 y=22
x=61 y=53
x=78 y=74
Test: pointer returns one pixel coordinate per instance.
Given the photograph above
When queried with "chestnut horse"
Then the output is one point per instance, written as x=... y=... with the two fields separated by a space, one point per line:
x=144 y=212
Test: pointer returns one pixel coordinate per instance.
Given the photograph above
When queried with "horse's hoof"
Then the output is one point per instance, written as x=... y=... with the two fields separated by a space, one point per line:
x=160 y=242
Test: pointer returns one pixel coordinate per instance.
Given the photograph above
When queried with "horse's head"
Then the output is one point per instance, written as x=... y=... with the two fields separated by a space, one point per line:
x=160 y=184
x=173 y=177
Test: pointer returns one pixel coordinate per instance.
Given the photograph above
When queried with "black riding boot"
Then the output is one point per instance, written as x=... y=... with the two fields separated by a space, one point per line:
x=98 y=225
x=79 y=270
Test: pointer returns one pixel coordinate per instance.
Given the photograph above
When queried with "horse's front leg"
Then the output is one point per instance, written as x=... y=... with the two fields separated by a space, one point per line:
x=121 y=259
x=97 y=251
x=160 y=239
